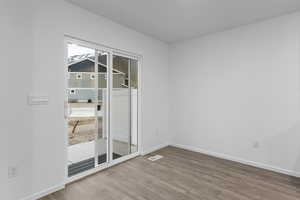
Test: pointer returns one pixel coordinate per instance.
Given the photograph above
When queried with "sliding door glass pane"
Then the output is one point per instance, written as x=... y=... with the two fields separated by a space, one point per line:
x=134 y=105
x=82 y=101
x=120 y=107
x=124 y=106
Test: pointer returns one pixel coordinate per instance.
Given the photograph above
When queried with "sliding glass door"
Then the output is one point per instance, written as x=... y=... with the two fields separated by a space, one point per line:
x=102 y=106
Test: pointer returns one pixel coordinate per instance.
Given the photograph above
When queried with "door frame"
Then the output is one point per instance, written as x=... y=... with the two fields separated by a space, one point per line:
x=112 y=51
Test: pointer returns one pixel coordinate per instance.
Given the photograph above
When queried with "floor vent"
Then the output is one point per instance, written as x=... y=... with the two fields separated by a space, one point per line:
x=154 y=158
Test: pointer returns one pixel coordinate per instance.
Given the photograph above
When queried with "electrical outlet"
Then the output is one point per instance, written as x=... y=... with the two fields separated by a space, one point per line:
x=12 y=172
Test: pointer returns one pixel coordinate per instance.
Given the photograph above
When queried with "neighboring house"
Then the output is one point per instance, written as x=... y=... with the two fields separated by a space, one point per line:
x=81 y=74
x=86 y=63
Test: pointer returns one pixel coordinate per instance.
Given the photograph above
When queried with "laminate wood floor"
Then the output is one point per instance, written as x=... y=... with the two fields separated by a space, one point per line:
x=182 y=175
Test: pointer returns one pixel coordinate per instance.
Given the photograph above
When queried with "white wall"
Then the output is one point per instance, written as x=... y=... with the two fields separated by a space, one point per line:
x=15 y=82
x=37 y=142
x=234 y=88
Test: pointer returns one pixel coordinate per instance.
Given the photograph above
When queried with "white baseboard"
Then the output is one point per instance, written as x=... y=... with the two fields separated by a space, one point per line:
x=44 y=192
x=150 y=150
x=240 y=160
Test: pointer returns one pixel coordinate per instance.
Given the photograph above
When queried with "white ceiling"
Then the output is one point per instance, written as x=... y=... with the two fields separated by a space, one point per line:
x=175 y=20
